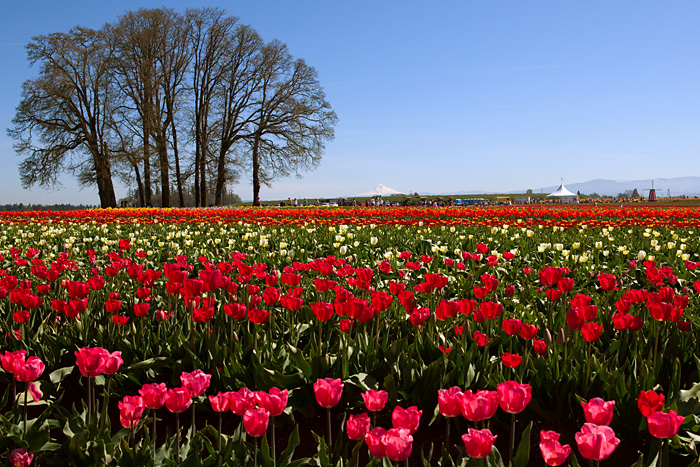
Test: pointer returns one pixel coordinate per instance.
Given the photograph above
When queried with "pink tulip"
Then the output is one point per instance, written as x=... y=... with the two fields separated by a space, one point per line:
x=478 y=443
x=241 y=401
x=450 y=401
x=21 y=457
x=664 y=425
x=90 y=361
x=32 y=368
x=153 y=395
x=375 y=400
x=328 y=392
x=598 y=411
x=479 y=406
x=596 y=442
x=553 y=452
x=406 y=418
x=513 y=397
x=178 y=400
x=357 y=426
x=196 y=382
x=112 y=362
x=274 y=401
x=130 y=410
x=220 y=402
x=374 y=442
x=398 y=444
x=255 y=422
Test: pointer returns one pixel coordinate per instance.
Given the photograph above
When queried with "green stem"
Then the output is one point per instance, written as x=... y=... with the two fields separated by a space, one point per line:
x=511 y=446
x=25 y=410
x=330 y=435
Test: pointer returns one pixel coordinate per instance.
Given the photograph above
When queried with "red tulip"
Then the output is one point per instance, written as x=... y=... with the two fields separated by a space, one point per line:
x=650 y=402
x=553 y=452
x=607 y=282
x=398 y=444
x=323 y=311
x=130 y=410
x=328 y=392
x=30 y=370
x=153 y=395
x=450 y=401
x=596 y=442
x=513 y=397
x=598 y=411
x=565 y=284
x=375 y=400
x=178 y=399
x=591 y=331
x=478 y=443
x=479 y=406
x=13 y=361
x=420 y=316
x=220 y=402
x=511 y=326
x=258 y=316
x=511 y=360
x=196 y=382
x=406 y=418
x=112 y=362
x=357 y=426
x=491 y=310
x=446 y=309
x=21 y=457
x=255 y=422
x=274 y=401
x=373 y=439
x=141 y=309
x=549 y=276
x=241 y=401
x=480 y=338
x=539 y=346
x=664 y=425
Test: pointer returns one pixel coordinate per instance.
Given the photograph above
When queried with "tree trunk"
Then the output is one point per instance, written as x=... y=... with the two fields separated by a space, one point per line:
x=221 y=178
x=164 y=170
x=256 y=170
x=139 y=184
x=178 y=174
x=105 y=188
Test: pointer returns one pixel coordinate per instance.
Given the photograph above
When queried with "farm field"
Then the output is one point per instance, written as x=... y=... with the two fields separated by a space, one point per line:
x=360 y=336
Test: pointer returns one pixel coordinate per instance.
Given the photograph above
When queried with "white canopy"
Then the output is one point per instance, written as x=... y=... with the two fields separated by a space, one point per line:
x=564 y=194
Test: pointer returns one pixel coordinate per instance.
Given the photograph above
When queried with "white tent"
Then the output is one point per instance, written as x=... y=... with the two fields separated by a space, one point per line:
x=564 y=195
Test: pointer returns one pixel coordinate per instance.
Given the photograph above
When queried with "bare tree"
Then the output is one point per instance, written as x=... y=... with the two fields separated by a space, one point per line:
x=63 y=119
x=293 y=120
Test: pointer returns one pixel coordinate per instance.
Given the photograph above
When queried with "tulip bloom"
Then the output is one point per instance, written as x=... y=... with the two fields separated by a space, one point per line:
x=553 y=452
x=406 y=418
x=539 y=346
x=513 y=397
x=591 y=331
x=241 y=401
x=596 y=442
x=511 y=326
x=90 y=361
x=608 y=282
x=178 y=400
x=13 y=361
x=650 y=402
x=112 y=362
x=153 y=395
x=328 y=392
x=274 y=401
x=398 y=444
x=450 y=401
x=375 y=400
x=220 y=402
x=130 y=410
x=21 y=457
x=511 y=360
x=478 y=443
x=374 y=442
x=357 y=426
x=196 y=382
x=598 y=411
x=255 y=422
x=664 y=425
x=30 y=370
x=479 y=406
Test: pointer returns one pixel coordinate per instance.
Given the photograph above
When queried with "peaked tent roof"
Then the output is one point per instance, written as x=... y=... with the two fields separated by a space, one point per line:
x=562 y=192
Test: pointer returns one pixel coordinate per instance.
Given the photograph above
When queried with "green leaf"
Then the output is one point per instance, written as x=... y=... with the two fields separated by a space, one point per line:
x=59 y=375
x=522 y=455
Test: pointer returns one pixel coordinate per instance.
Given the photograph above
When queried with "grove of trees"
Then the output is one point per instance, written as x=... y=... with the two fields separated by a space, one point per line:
x=164 y=99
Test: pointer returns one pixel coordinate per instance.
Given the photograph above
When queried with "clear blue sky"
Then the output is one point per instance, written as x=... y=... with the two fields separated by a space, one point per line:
x=447 y=96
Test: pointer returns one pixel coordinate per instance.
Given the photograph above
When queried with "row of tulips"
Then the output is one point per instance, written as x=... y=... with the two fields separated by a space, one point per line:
x=413 y=309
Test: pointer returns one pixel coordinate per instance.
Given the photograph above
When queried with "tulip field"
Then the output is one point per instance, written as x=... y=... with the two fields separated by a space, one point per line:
x=351 y=337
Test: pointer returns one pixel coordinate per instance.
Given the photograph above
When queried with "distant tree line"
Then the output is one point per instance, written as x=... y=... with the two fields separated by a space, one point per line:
x=42 y=207
x=160 y=98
